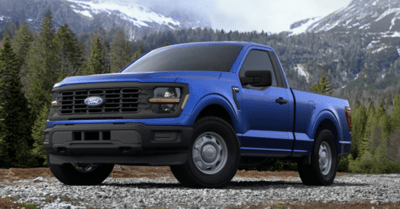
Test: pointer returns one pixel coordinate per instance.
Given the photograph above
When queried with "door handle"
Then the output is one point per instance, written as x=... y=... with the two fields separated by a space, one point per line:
x=281 y=100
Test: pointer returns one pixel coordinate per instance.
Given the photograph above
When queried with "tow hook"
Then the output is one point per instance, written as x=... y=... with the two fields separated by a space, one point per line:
x=128 y=151
x=64 y=151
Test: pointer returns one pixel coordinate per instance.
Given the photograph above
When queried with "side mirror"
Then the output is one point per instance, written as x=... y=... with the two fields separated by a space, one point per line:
x=257 y=78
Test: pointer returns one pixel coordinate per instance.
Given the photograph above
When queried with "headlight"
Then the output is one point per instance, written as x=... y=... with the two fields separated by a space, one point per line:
x=166 y=99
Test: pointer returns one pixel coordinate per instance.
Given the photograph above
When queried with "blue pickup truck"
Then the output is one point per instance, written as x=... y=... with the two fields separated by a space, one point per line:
x=204 y=109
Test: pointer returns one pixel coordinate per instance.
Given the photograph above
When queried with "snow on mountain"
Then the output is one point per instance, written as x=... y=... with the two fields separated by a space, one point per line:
x=88 y=15
x=353 y=80
x=303 y=25
x=135 y=13
x=300 y=69
x=375 y=16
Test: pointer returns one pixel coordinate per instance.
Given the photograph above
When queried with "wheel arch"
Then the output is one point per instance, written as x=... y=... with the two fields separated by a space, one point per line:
x=327 y=120
x=215 y=105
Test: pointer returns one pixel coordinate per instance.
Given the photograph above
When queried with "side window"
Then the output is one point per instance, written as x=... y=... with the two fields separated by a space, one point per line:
x=257 y=60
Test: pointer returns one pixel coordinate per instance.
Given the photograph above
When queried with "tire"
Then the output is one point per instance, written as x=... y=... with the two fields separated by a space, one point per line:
x=324 y=174
x=213 y=142
x=70 y=175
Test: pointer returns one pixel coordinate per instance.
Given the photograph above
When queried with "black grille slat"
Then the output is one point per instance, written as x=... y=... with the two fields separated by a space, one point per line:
x=67 y=98
x=96 y=92
x=130 y=91
x=80 y=98
x=117 y=100
x=113 y=96
x=95 y=110
x=67 y=103
x=67 y=93
x=108 y=106
x=130 y=101
x=129 y=109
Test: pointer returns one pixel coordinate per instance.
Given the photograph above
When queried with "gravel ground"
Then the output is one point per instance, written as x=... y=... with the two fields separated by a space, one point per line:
x=168 y=193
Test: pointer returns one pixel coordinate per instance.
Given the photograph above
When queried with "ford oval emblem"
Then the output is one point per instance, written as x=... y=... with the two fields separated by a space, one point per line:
x=94 y=101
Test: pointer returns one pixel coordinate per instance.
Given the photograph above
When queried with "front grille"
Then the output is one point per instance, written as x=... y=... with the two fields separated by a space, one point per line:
x=117 y=100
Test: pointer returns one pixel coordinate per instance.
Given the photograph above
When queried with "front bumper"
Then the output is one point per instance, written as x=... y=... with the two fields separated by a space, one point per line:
x=126 y=144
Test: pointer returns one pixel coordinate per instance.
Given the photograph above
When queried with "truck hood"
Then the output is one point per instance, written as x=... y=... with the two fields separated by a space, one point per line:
x=145 y=77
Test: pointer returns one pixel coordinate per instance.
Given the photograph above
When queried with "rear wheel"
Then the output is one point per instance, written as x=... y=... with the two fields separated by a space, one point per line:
x=322 y=170
x=213 y=156
x=81 y=174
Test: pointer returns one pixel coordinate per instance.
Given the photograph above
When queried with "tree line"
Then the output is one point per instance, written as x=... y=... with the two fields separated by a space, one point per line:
x=31 y=63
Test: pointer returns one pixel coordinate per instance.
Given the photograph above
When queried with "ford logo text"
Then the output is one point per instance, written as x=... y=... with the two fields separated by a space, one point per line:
x=94 y=101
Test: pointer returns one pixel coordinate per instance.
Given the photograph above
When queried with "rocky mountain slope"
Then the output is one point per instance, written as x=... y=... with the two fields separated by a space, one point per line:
x=372 y=16
x=359 y=47
x=89 y=15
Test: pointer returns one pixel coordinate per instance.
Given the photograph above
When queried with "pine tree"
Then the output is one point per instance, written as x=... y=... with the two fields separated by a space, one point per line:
x=166 y=43
x=21 y=44
x=359 y=119
x=395 y=118
x=16 y=113
x=357 y=104
x=96 y=63
x=120 y=52
x=383 y=126
x=70 y=52
x=322 y=86
x=107 y=49
x=4 y=158
x=138 y=53
x=38 y=135
x=42 y=63
x=366 y=138
x=380 y=128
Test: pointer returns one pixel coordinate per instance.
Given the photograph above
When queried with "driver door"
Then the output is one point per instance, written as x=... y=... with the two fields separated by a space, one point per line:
x=268 y=124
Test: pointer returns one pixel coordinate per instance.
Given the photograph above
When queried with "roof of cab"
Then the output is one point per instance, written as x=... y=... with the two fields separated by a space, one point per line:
x=241 y=43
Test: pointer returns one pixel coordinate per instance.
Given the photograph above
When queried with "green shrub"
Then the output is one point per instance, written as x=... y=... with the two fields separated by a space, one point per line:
x=373 y=165
x=283 y=165
x=362 y=164
x=343 y=163
x=31 y=206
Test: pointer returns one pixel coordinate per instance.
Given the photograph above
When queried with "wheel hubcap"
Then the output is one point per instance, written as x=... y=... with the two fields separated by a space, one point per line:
x=325 y=158
x=209 y=153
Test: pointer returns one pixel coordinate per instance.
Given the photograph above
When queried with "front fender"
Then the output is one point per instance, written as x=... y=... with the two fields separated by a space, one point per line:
x=328 y=115
x=212 y=99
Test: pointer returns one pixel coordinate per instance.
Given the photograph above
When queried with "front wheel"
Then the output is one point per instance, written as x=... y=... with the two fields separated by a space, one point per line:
x=213 y=157
x=82 y=174
x=322 y=170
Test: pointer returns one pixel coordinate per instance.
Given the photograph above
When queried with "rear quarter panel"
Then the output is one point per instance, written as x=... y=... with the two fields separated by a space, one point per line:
x=313 y=109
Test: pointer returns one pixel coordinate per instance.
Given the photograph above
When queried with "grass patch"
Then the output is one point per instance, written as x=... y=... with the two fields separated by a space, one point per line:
x=30 y=206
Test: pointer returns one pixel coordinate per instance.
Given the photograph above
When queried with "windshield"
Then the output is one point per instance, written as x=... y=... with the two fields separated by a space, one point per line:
x=188 y=58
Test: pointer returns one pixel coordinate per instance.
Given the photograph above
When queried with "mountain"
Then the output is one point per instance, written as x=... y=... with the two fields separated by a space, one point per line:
x=88 y=15
x=372 y=16
x=302 y=25
x=358 y=46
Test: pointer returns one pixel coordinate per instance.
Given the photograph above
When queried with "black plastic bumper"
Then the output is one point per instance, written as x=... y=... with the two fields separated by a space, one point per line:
x=126 y=144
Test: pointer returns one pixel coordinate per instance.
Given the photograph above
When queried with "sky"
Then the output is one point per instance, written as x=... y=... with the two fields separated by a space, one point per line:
x=252 y=15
